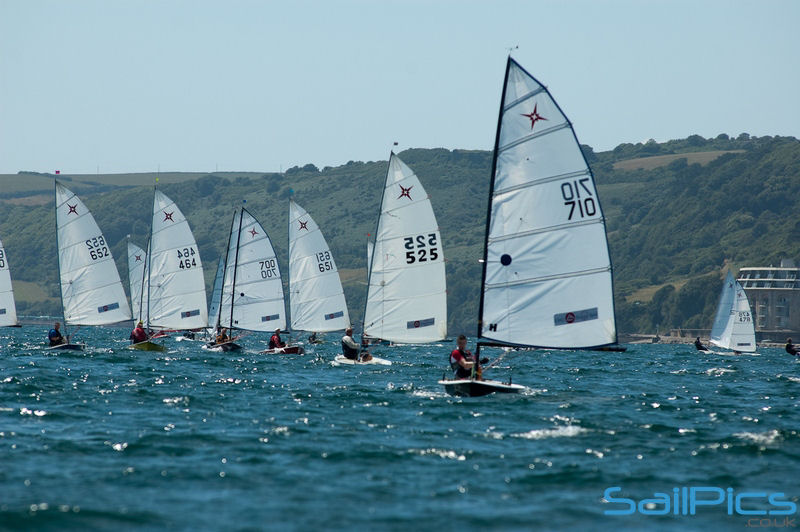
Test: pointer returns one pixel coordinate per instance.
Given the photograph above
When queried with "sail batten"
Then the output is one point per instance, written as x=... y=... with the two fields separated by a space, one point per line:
x=317 y=301
x=8 y=309
x=91 y=289
x=547 y=275
x=407 y=296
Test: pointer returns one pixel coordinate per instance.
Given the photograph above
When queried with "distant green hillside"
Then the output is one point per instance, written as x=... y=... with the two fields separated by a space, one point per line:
x=673 y=224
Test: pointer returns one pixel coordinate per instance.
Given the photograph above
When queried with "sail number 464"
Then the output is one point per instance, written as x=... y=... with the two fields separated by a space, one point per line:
x=571 y=192
x=186 y=258
x=97 y=248
x=421 y=248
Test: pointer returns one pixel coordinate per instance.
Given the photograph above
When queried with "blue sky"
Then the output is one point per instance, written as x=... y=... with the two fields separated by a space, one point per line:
x=129 y=86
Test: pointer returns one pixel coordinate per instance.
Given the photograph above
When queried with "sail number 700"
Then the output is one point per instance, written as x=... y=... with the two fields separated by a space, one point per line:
x=571 y=192
x=269 y=268
x=422 y=248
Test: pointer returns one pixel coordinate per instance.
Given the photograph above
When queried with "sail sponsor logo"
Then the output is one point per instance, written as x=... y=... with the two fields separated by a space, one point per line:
x=106 y=308
x=2 y=311
x=416 y=324
x=686 y=500
x=190 y=313
x=334 y=315
x=273 y=317
x=576 y=316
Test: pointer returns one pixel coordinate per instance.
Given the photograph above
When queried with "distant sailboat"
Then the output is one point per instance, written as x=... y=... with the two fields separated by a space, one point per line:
x=8 y=309
x=136 y=275
x=91 y=290
x=174 y=289
x=316 y=296
x=547 y=279
x=407 y=296
x=733 y=325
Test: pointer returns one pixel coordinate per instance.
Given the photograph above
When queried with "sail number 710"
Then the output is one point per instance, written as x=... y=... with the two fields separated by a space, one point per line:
x=574 y=199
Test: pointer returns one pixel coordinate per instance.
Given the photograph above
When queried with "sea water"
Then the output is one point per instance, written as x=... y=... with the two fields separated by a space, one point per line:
x=190 y=439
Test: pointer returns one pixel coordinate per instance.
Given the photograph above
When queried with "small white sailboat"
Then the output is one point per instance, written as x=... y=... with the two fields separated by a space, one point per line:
x=174 y=291
x=137 y=257
x=252 y=289
x=8 y=309
x=91 y=289
x=733 y=325
x=316 y=296
x=547 y=279
x=407 y=295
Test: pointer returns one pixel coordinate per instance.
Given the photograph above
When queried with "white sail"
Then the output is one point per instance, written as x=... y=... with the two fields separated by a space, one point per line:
x=316 y=299
x=137 y=257
x=733 y=325
x=407 y=296
x=257 y=287
x=177 y=294
x=547 y=272
x=91 y=289
x=216 y=294
x=370 y=249
x=8 y=310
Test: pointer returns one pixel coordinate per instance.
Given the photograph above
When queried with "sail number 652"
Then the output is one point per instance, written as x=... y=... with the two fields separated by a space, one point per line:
x=421 y=248
x=571 y=192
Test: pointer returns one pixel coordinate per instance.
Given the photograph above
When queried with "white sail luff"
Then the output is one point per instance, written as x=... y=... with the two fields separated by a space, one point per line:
x=8 y=309
x=733 y=325
x=216 y=295
x=407 y=296
x=547 y=272
x=91 y=288
x=316 y=296
x=177 y=292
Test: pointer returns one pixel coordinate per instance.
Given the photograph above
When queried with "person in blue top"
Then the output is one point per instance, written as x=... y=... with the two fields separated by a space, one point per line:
x=55 y=336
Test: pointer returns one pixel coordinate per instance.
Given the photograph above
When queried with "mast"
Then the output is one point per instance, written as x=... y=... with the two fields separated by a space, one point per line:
x=224 y=272
x=58 y=258
x=374 y=247
x=147 y=267
x=235 y=264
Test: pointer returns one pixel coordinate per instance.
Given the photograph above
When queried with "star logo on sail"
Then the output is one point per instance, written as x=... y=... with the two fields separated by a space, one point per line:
x=168 y=216
x=534 y=116
x=253 y=232
x=73 y=209
x=303 y=225
x=405 y=192
x=138 y=258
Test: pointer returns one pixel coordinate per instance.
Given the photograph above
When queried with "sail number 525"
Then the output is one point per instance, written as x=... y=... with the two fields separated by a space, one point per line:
x=421 y=248
x=575 y=199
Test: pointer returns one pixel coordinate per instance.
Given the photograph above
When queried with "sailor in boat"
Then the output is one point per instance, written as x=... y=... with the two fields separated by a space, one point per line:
x=313 y=339
x=790 y=348
x=462 y=361
x=222 y=335
x=138 y=334
x=55 y=336
x=275 y=341
x=699 y=345
x=351 y=349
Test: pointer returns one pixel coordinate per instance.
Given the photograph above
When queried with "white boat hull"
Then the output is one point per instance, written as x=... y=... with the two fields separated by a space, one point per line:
x=342 y=360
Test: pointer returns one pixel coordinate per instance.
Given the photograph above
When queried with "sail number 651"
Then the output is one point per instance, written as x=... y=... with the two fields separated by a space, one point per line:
x=421 y=248
x=571 y=192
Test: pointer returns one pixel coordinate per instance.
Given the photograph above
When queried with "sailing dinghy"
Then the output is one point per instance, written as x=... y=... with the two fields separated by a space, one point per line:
x=316 y=297
x=407 y=295
x=547 y=280
x=8 y=309
x=91 y=289
x=174 y=291
x=733 y=325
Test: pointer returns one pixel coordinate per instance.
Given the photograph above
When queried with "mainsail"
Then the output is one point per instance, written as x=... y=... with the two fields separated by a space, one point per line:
x=316 y=300
x=8 y=310
x=253 y=278
x=136 y=275
x=177 y=291
x=407 y=296
x=216 y=294
x=733 y=325
x=547 y=278
x=91 y=290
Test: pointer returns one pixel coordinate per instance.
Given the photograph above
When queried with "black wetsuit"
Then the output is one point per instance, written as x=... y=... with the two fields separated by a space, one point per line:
x=791 y=349
x=460 y=371
x=699 y=346
x=349 y=352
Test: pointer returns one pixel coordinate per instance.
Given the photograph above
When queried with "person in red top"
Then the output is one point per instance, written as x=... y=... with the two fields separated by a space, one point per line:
x=461 y=360
x=275 y=341
x=138 y=334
